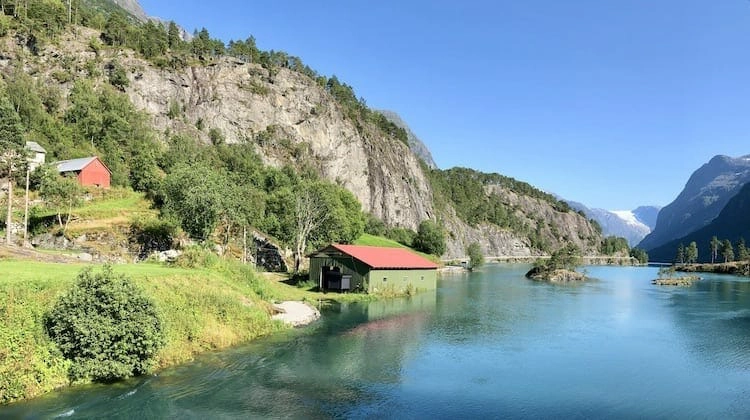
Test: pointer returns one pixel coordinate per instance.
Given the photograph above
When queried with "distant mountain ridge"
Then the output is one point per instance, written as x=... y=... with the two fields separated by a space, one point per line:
x=732 y=223
x=416 y=145
x=632 y=225
x=706 y=193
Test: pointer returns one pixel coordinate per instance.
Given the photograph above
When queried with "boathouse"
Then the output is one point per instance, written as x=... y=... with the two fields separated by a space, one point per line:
x=89 y=171
x=371 y=268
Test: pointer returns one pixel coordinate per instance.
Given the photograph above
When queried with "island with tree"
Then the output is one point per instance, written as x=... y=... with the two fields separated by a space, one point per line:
x=559 y=268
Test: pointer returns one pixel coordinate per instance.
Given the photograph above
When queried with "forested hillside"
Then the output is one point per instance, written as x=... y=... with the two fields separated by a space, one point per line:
x=226 y=137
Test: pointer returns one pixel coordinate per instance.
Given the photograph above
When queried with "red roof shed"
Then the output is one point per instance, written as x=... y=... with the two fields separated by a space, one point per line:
x=90 y=171
x=371 y=268
x=386 y=258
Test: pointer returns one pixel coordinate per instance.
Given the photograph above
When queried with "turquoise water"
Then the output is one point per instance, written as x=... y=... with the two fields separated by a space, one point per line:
x=487 y=344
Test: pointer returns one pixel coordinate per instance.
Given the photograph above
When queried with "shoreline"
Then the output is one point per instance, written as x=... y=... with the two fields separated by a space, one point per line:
x=295 y=313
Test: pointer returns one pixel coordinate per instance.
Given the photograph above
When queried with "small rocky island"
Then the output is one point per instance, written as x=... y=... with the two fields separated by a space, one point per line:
x=667 y=277
x=559 y=268
x=555 y=276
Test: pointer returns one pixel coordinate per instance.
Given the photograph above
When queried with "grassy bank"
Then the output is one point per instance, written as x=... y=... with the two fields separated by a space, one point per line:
x=737 y=268
x=202 y=309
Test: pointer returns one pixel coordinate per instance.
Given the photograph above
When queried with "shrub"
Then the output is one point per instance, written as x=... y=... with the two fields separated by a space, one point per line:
x=476 y=258
x=152 y=235
x=430 y=238
x=197 y=257
x=106 y=327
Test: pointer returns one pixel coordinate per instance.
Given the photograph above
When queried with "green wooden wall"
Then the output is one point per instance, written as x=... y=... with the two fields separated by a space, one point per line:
x=399 y=280
x=374 y=281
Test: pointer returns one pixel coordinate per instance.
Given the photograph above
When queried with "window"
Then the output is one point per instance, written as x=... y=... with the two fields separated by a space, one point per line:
x=385 y=278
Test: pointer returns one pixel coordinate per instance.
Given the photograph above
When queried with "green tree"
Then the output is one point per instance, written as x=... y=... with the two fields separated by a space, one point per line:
x=430 y=238
x=116 y=30
x=118 y=77
x=12 y=155
x=567 y=257
x=691 y=253
x=714 y=248
x=174 y=40
x=727 y=251
x=680 y=258
x=195 y=195
x=106 y=326
x=742 y=251
x=476 y=257
x=613 y=244
x=640 y=255
x=61 y=193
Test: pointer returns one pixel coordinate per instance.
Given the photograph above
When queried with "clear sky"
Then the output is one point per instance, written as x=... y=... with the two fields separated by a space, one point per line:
x=610 y=103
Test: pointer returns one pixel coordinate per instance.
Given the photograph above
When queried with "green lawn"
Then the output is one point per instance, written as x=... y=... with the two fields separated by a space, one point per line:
x=202 y=309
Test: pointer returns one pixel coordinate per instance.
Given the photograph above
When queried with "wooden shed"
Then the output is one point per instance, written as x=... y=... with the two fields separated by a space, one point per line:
x=90 y=171
x=370 y=268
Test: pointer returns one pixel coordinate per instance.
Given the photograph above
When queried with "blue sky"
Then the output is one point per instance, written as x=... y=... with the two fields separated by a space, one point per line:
x=610 y=103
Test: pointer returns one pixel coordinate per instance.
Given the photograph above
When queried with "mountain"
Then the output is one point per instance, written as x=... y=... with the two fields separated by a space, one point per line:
x=292 y=118
x=415 y=144
x=733 y=223
x=706 y=193
x=623 y=223
x=134 y=8
x=647 y=215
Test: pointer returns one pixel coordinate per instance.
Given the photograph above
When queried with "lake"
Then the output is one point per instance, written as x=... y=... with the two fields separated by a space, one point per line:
x=485 y=344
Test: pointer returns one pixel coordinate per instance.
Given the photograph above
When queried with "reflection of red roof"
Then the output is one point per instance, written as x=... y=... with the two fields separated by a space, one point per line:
x=380 y=257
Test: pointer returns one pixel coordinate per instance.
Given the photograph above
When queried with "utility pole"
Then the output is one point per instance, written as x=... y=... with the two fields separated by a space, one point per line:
x=26 y=210
x=9 y=218
x=69 y=11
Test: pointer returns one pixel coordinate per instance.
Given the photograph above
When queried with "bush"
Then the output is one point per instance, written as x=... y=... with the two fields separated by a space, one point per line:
x=152 y=235
x=476 y=258
x=197 y=257
x=430 y=238
x=106 y=327
x=401 y=235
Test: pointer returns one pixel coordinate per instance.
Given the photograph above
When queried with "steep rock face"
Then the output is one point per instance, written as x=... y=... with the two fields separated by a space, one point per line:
x=707 y=192
x=244 y=100
x=554 y=227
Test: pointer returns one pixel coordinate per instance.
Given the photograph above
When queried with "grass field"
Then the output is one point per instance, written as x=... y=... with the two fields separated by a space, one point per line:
x=201 y=309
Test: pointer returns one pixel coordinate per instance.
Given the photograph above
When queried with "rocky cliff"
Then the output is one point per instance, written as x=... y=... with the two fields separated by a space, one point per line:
x=706 y=193
x=292 y=119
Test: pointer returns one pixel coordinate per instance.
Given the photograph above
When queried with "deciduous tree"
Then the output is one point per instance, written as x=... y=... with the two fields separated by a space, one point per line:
x=714 y=248
x=727 y=251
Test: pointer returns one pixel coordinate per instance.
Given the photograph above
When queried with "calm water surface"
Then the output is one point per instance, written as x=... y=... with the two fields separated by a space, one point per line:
x=488 y=344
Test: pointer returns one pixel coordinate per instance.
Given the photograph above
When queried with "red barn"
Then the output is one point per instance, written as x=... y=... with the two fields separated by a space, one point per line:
x=88 y=171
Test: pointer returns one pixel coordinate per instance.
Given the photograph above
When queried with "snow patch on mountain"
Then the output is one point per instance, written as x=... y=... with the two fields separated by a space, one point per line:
x=629 y=217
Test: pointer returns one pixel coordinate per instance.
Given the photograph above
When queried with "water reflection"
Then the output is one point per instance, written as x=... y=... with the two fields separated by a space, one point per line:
x=714 y=316
x=490 y=344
